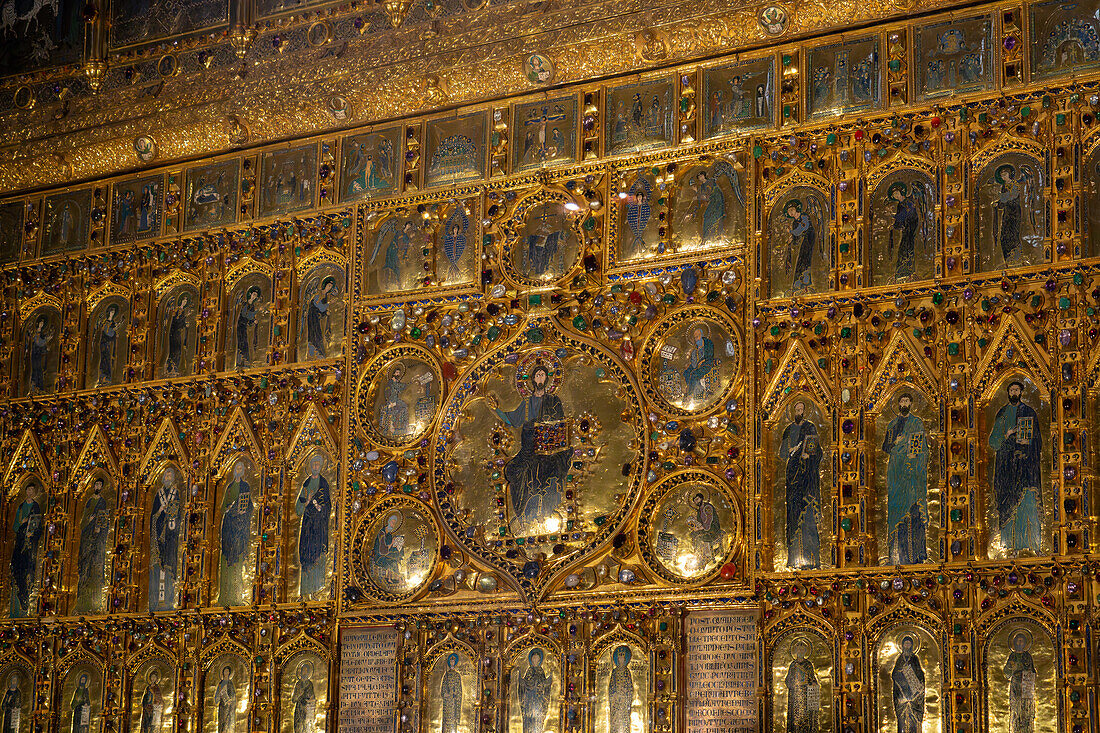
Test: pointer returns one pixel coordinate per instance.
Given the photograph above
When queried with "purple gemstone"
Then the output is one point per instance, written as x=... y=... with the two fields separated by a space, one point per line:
x=950 y=200
x=1010 y=43
x=950 y=263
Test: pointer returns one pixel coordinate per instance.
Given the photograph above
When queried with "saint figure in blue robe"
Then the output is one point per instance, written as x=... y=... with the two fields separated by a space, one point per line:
x=236 y=537
x=906 y=446
x=314 y=506
x=1017 y=442
x=534 y=693
x=800 y=451
x=907 y=678
x=536 y=473
x=620 y=691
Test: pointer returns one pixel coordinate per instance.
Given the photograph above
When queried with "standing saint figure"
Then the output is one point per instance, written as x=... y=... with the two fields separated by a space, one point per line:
x=165 y=521
x=247 y=314
x=318 y=328
x=1022 y=679
x=92 y=557
x=27 y=530
x=536 y=473
x=450 y=692
x=152 y=704
x=305 y=699
x=177 y=335
x=314 y=506
x=700 y=363
x=1017 y=441
x=81 y=707
x=904 y=228
x=108 y=337
x=534 y=693
x=800 y=450
x=906 y=485
x=225 y=697
x=802 y=239
x=620 y=691
x=803 y=691
x=12 y=707
x=236 y=537
x=908 y=682
x=38 y=349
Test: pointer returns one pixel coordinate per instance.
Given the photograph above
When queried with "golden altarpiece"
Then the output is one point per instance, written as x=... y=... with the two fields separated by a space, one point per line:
x=467 y=366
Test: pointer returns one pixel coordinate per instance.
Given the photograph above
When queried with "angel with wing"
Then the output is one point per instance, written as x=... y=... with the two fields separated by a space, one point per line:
x=397 y=237
x=109 y=326
x=1019 y=192
x=250 y=307
x=804 y=217
x=179 y=313
x=910 y=217
x=707 y=208
x=38 y=352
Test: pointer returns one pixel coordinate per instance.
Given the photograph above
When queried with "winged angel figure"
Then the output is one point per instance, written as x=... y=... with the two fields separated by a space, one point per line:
x=707 y=203
x=1016 y=190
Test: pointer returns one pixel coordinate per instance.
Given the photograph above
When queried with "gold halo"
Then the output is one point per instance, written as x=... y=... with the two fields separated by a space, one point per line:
x=916 y=639
x=1012 y=636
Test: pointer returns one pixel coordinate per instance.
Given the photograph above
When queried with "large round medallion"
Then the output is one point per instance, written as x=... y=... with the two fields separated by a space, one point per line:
x=399 y=395
x=396 y=549
x=689 y=527
x=691 y=361
x=538 y=452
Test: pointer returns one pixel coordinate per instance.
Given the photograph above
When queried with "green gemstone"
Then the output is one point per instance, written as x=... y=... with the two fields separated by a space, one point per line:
x=953 y=349
x=846 y=524
x=757 y=151
x=956 y=515
x=1078 y=278
x=844 y=247
x=493 y=333
x=579 y=323
x=823 y=362
x=846 y=332
x=416 y=332
x=894 y=64
x=1064 y=302
x=1024 y=112
x=937 y=298
x=774 y=330
x=535 y=335
x=830 y=139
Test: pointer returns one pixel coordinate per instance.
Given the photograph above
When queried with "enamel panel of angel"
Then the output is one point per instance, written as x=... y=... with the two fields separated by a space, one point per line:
x=1012 y=215
x=639 y=229
x=321 y=314
x=177 y=331
x=108 y=341
x=800 y=246
x=249 y=320
x=709 y=209
x=903 y=228
x=40 y=352
x=397 y=252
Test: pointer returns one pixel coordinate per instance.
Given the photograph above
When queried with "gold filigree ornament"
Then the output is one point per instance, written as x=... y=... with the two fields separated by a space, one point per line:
x=396 y=11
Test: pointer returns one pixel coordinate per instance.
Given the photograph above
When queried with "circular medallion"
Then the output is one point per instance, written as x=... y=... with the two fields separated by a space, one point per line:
x=543 y=239
x=24 y=97
x=773 y=19
x=319 y=33
x=396 y=548
x=145 y=147
x=691 y=361
x=399 y=395
x=338 y=106
x=538 y=69
x=167 y=65
x=538 y=453
x=689 y=527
